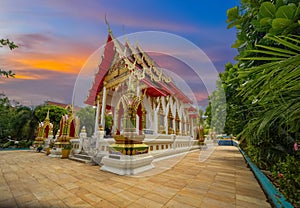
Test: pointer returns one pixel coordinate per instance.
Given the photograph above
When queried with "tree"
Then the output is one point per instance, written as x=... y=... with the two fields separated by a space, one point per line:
x=11 y=45
x=87 y=119
x=23 y=123
x=216 y=111
x=6 y=112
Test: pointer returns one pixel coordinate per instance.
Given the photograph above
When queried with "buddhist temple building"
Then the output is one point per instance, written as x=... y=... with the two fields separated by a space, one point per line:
x=132 y=87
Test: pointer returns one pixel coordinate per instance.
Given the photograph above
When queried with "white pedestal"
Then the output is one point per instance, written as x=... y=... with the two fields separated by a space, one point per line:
x=126 y=164
x=55 y=153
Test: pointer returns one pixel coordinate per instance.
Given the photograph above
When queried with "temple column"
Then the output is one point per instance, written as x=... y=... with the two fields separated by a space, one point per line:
x=192 y=126
x=185 y=127
x=174 y=125
x=102 y=122
x=155 y=119
x=116 y=119
x=97 y=116
x=166 y=121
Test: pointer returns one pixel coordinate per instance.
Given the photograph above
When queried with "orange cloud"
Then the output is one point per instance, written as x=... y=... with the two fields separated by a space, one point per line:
x=61 y=64
x=26 y=77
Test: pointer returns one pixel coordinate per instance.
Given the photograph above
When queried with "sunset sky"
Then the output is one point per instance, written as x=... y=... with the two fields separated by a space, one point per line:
x=55 y=38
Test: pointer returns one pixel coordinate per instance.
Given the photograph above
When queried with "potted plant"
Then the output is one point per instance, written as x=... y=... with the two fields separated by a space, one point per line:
x=49 y=148
x=66 y=151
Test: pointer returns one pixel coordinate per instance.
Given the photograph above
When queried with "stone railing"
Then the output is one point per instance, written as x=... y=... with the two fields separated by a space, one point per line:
x=159 y=144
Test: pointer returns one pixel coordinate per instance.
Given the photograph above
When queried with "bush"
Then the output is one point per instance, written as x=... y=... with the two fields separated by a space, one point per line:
x=8 y=144
x=286 y=173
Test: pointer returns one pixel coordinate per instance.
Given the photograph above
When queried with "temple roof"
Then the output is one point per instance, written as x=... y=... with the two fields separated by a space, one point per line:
x=141 y=62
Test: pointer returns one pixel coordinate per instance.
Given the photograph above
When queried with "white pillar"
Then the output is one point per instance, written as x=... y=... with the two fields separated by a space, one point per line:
x=166 y=121
x=97 y=117
x=102 y=122
x=155 y=121
x=116 y=119
x=185 y=127
x=180 y=125
x=192 y=126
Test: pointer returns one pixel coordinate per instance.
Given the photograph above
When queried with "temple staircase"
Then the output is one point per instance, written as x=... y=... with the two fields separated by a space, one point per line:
x=82 y=157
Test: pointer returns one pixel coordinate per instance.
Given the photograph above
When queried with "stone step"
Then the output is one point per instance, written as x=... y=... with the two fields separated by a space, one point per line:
x=83 y=156
x=82 y=160
x=83 y=153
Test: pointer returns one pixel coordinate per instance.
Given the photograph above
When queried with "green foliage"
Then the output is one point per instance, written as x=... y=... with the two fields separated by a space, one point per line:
x=278 y=18
x=6 y=112
x=6 y=73
x=16 y=122
x=8 y=144
x=7 y=42
x=277 y=85
x=216 y=111
x=108 y=121
x=256 y=18
x=67 y=147
x=23 y=122
x=262 y=89
x=87 y=119
x=11 y=45
x=286 y=172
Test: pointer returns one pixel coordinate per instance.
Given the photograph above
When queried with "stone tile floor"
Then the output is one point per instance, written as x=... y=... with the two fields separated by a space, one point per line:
x=30 y=179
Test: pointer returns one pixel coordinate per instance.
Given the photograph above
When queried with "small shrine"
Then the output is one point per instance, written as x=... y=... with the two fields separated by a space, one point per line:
x=44 y=132
x=69 y=128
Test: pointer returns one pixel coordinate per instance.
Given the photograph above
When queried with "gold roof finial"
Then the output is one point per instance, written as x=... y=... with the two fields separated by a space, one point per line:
x=47 y=117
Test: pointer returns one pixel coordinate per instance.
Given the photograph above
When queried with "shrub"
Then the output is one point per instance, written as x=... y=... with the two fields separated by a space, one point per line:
x=286 y=173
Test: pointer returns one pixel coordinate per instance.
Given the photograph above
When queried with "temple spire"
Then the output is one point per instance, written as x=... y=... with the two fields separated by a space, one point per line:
x=47 y=117
x=107 y=23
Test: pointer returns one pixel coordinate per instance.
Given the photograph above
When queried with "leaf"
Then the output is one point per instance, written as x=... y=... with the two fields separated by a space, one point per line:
x=286 y=11
x=280 y=23
x=265 y=21
x=232 y=17
x=268 y=52
x=285 y=43
x=277 y=49
x=267 y=9
x=232 y=14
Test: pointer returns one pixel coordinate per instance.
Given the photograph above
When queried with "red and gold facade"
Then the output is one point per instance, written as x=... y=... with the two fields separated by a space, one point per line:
x=132 y=87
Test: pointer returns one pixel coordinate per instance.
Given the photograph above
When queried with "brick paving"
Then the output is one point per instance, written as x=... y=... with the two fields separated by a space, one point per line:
x=30 y=179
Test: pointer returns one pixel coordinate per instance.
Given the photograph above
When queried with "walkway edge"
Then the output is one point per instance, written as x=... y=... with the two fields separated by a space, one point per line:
x=276 y=198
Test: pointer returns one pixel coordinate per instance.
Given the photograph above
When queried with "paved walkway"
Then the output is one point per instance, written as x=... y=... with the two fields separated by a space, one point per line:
x=29 y=179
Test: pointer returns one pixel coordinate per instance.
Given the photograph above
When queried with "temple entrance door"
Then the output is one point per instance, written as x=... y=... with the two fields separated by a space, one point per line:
x=46 y=131
x=139 y=112
x=72 y=129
